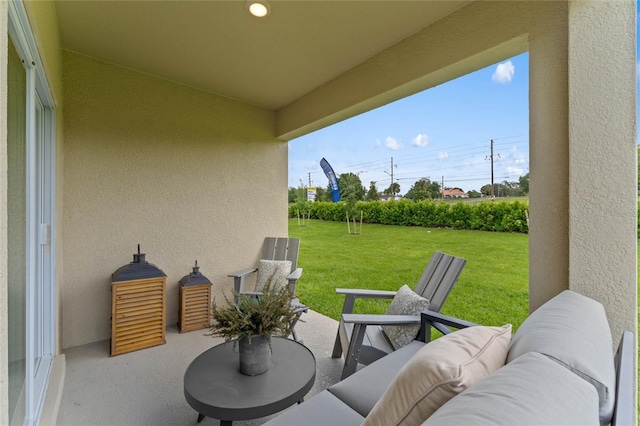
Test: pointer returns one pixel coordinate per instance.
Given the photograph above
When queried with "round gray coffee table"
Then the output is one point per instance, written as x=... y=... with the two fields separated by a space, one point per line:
x=214 y=386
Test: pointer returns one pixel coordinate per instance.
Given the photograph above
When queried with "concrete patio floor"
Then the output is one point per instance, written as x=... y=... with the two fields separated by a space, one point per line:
x=146 y=387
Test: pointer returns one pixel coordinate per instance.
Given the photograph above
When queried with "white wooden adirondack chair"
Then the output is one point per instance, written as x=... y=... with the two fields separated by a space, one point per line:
x=360 y=337
x=276 y=249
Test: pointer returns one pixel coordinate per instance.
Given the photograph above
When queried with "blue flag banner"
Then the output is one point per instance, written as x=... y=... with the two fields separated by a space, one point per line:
x=333 y=181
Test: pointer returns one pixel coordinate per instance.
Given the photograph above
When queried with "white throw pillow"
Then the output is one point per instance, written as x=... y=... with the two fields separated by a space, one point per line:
x=405 y=302
x=439 y=371
x=274 y=272
x=532 y=390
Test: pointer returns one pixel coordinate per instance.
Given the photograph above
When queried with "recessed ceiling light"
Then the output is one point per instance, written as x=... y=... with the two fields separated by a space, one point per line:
x=258 y=8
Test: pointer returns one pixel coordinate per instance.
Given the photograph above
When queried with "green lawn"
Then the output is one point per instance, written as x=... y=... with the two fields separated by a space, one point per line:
x=492 y=288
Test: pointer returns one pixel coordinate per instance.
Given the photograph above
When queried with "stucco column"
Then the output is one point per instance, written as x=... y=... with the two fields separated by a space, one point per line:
x=549 y=158
x=602 y=154
x=602 y=157
x=4 y=388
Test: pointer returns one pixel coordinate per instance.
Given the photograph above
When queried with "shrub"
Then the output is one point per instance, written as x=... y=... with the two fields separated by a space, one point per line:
x=500 y=216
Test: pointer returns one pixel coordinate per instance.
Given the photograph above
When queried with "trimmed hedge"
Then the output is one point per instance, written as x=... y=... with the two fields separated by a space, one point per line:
x=494 y=216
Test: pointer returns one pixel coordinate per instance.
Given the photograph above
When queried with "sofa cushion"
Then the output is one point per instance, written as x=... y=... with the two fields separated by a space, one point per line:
x=362 y=390
x=532 y=390
x=573 y=330
x=321 y=410
x=405 y=302
x=438 y=372
x=273 y=272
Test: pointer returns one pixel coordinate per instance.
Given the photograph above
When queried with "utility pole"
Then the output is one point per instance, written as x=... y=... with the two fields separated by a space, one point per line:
x=491 y=159
x=442 y=187
x=309 y=179
x=393 y=190
x=492 y=169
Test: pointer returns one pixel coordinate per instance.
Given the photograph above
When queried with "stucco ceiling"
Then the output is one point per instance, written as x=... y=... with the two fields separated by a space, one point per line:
x=218 y=47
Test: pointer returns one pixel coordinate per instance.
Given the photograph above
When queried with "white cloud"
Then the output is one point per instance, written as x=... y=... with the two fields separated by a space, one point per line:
x=421 y=140
x=516 y=156
x=311 y=165
x=392 y=143
x=503 y=73
x=443 y=155
x=511 y=171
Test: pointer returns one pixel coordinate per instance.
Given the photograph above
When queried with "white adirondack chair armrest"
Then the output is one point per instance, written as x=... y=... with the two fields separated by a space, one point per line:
x=295 y=274
x=243 y=273
x=366 y=293
x=380 y=319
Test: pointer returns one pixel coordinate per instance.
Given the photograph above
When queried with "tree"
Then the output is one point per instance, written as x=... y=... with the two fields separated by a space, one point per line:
x=486 y=189
x=435 y=190
x=423 y=189
x=321 y=193
x=372 y=194
x=351 y=187
x=524 y=183
x=292 y=194
x=393 y=189
x=326 y=196
x=351 y=191
x=301 y=202
x=474 y=194
x=503 y=189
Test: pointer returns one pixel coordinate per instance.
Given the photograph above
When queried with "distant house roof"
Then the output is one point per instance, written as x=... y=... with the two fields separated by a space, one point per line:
x=454 y=193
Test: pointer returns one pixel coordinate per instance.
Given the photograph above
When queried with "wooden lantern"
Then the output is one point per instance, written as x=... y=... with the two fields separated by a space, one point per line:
x=195 y=300
x=138 y=306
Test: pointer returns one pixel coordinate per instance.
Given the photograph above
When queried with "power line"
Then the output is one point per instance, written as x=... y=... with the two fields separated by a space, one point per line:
x=459 y=151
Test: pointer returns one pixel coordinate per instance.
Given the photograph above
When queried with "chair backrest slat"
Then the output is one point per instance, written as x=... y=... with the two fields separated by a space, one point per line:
x=292 y=252
x=269 y=248
x=282 y=249
x=438 y=279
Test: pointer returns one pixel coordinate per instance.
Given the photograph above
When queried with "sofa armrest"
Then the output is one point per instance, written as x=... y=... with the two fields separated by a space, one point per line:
x=624 y=407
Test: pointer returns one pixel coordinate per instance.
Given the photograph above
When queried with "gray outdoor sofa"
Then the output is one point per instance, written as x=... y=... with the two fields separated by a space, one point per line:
x=558 y=368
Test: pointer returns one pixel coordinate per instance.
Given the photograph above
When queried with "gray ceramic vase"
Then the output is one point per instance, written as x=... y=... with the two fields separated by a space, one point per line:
x=255 y=358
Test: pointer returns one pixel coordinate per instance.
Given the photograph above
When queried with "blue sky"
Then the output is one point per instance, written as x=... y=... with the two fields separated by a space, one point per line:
x=443 y=132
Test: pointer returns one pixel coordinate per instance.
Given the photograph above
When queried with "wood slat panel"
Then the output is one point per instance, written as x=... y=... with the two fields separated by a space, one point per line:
x=195 y=307
x=138 y=315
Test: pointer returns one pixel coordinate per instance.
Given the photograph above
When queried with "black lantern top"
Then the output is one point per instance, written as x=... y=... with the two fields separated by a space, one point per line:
x=137 y=270
x=194 y=278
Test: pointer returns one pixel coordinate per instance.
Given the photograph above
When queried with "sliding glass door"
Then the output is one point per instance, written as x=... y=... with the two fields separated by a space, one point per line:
x=17 y=233
x=30 y=219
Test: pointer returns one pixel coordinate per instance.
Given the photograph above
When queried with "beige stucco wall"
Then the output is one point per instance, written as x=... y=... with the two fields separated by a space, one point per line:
x=186 y=174
x=4 y=335
x=603 y=163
